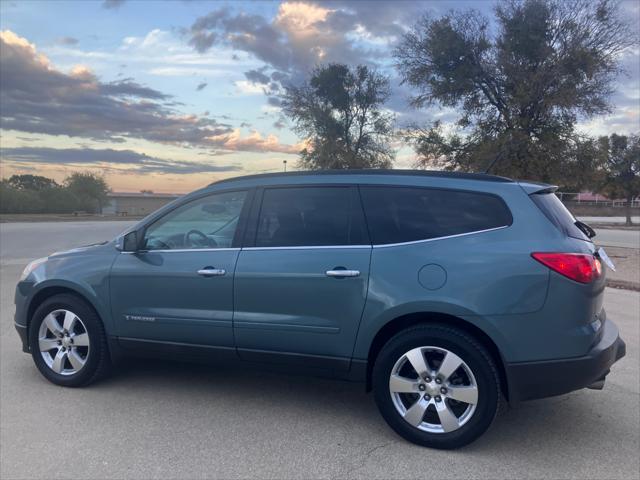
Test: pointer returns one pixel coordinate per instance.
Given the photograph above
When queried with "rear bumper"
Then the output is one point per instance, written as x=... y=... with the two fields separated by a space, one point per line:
x=530 y=380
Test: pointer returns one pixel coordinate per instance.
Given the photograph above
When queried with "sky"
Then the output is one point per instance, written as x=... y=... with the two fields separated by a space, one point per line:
x=172 y=95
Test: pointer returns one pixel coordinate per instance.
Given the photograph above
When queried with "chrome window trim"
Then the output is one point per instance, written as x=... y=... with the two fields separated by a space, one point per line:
x=324 y=247
x=307 y=247
x=182 y=250
x=384 y=245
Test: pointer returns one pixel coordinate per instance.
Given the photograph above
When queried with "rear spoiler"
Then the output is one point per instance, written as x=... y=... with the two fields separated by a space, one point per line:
x=532 y=188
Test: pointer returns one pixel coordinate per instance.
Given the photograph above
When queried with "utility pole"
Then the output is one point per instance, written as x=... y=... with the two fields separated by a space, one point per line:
x=285 y=165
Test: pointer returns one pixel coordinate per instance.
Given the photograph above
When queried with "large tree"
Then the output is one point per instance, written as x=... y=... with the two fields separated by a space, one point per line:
x=89 y=188
x=31 y=182
x=520 y=83
x=621 y=168
x=339 y=111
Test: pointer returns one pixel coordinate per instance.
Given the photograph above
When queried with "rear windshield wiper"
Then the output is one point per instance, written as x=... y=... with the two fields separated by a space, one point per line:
x=586 y=229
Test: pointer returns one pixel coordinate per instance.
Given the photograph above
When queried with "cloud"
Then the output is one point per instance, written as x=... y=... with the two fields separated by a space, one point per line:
x=249 y=88
x=303 y=34
x=109 y=158
x=185 y=71
x=201 y=86
x=112 y=4
x=374 y=20
x=127 y=87
x=157 y=47
x=257 y=76
x=38 y=98
x=255 y=142
x=67 y=41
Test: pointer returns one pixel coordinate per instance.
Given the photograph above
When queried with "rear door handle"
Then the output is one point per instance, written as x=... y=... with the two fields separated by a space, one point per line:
x=211 y=272
x=342 y=273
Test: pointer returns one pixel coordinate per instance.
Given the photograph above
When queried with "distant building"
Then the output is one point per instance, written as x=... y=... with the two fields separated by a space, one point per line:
x=136 y=204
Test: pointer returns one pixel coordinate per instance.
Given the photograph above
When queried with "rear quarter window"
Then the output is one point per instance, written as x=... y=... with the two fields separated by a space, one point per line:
x=558 y=214
x=406 y=214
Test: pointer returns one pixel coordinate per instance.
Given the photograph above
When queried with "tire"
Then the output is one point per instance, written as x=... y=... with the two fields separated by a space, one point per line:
x=85 y=358
x=437 y=420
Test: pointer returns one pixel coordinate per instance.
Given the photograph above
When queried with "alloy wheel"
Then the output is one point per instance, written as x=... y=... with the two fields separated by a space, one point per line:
x=433 y=389
x=63 y=341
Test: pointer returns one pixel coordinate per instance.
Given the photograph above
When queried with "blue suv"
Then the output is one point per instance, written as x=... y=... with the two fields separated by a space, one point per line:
x=443 y=292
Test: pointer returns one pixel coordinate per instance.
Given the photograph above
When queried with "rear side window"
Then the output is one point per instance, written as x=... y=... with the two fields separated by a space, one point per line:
x=406 y=214
x=310 y=216
x=558 y=214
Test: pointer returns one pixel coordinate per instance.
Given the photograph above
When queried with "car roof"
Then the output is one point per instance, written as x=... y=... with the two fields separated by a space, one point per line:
x=365 y=172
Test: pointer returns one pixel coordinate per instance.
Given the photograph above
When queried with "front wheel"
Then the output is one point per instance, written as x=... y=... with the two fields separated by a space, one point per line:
x=436 y=386
x=68 y=342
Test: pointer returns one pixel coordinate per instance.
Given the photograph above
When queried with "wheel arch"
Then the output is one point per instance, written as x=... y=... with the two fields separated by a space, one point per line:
x=49 y=291
x=402 y=322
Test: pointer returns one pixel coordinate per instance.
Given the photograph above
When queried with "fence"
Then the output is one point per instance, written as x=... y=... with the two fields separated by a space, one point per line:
x=595 y=199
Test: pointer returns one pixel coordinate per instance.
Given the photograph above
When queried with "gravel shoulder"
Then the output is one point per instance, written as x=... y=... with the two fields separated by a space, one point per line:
x=627 y=262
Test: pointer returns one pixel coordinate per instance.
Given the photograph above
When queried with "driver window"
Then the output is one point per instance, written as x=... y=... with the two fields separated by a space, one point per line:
x=208 y=222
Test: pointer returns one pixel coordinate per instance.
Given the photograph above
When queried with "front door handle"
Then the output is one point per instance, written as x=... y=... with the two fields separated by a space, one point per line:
x=211 y=272
x=337 y=272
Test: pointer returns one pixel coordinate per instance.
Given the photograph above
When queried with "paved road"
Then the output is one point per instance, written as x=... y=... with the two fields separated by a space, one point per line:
x=617 y=238
x=163 y=420
x=608 y=219
x=25 y=241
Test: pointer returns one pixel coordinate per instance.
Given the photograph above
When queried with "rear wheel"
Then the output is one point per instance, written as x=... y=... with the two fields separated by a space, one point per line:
x=67 y=341
x=436 y=386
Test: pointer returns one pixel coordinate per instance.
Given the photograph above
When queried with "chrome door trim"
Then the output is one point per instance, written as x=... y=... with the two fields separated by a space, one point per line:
x=182 y=250
x=384 y=245
x=307 y=247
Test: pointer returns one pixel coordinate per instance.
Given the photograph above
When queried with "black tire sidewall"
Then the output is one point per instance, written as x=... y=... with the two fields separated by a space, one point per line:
x=469 y=350
x=95 y=331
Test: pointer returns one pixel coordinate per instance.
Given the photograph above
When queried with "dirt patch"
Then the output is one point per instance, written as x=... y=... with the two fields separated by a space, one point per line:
x=627 y=262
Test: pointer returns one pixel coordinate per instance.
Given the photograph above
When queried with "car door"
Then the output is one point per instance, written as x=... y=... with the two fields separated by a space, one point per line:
x=179 y=287
x=301 y=283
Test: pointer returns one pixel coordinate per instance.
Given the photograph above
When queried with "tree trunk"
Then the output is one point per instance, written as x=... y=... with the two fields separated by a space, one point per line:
x=629 y=202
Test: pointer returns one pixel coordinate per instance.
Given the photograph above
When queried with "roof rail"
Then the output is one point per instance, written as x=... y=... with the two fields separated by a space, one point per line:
x=422 y=173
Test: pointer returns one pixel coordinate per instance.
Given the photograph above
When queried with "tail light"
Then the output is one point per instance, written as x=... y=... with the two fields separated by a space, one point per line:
x=576 y=266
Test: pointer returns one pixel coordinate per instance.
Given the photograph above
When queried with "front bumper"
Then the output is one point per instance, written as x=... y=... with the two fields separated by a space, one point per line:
x=23 y=289
x=22 y=331
x=530 y=380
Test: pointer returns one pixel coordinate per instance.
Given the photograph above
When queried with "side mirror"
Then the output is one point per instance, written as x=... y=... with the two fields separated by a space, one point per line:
x=130 y=242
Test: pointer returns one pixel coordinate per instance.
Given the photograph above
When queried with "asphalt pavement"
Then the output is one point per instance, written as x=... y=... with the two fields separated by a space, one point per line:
x=174 y=420
x=607 y=237
x=634 y=219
